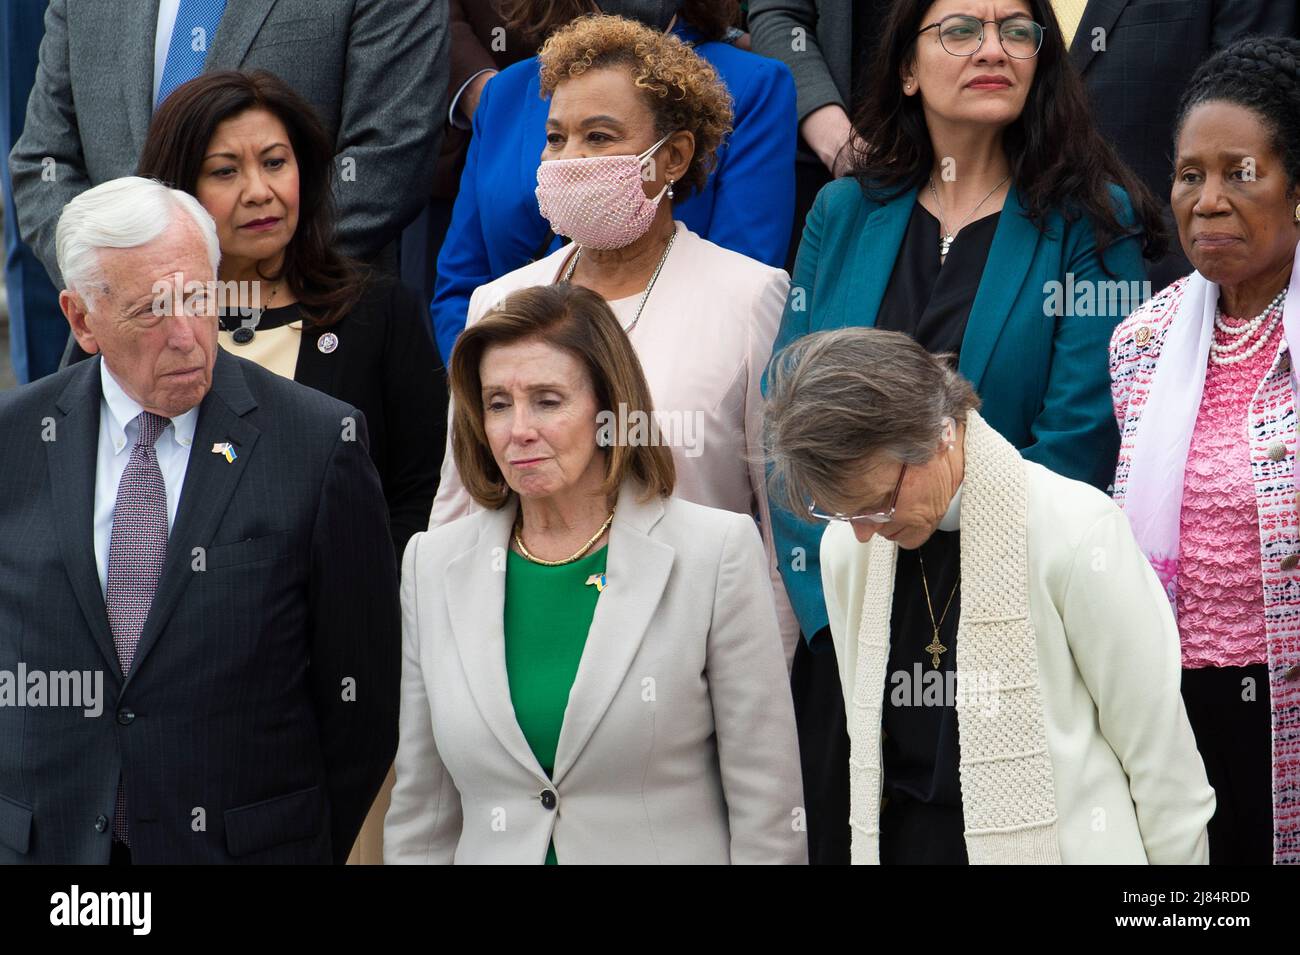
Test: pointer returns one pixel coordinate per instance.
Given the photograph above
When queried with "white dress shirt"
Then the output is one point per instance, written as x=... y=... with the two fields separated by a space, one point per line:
x=162 y=39
x=118 y=430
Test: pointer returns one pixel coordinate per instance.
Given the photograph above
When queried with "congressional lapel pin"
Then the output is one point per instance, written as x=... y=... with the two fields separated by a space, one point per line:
x=598 y=581
x=327 y=343
x=226 y=450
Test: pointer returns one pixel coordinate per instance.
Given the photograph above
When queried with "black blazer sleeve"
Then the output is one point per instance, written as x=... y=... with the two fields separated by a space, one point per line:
x=415 y=408
x=356 y=634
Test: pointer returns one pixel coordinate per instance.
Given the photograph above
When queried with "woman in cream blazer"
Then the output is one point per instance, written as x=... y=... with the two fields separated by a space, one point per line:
x=617 y=703
x=676 y=715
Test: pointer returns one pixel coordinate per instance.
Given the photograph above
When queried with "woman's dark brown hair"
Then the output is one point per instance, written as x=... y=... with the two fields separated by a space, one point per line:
x=574 y=320
x=538 y=19
x=1059 y=161
x=326 y=283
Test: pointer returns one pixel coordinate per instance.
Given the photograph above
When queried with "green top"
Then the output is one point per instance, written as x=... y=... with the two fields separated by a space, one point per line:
x=547 y=615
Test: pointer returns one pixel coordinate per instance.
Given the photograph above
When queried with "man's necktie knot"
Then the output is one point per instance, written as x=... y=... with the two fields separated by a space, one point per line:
x=151 y=426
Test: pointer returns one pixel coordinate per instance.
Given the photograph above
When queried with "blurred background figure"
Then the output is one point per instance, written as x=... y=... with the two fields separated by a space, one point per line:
x=618 y=162
x=37 y=331
x=982 y=187
x=745 y=205
x=592 y=669
x=1204 y=393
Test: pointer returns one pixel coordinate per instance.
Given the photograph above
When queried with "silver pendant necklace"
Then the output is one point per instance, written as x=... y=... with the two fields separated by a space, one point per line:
x=946 y=238
x=573 y=264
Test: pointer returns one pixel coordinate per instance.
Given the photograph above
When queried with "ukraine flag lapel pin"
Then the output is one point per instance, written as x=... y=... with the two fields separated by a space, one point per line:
x=598 y=581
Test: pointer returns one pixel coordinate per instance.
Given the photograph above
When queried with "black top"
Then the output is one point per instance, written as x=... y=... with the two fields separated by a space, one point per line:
x=921 y=821
x=383 y=364
x=928 y=302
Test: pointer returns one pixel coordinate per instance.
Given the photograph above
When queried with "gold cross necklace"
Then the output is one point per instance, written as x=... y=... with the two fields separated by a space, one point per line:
x=935 y=648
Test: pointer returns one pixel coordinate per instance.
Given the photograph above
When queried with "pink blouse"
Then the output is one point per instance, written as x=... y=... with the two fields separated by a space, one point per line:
x=1220 y=605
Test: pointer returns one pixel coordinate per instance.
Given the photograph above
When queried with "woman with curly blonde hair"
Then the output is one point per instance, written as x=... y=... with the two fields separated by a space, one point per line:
x=636 y=118
x=743 y=201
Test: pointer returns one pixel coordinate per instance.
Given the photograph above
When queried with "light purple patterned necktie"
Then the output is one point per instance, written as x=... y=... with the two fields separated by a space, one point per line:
x=137 y=550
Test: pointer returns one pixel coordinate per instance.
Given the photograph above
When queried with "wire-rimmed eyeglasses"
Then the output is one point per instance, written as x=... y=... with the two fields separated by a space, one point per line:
x=879 y=517
x=962 y=35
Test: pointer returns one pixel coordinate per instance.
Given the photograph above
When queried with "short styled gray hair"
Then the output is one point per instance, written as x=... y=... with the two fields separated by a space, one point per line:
x=121 y=214
x=838 y=398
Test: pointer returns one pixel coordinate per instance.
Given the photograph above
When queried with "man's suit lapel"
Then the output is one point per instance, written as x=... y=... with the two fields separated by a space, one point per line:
x=476 y=599
x=136 y=22
x=637 y=572
x=210 y=481
x=239 y=26
x=72 y=456
x=881 y=236
x=1098 y=14
x=1010 y=256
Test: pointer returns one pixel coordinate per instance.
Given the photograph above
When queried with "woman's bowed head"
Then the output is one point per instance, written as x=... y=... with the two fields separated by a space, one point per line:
x=866 y=426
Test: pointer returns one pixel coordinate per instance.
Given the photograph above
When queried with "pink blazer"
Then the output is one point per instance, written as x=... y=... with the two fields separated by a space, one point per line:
x=703 y=339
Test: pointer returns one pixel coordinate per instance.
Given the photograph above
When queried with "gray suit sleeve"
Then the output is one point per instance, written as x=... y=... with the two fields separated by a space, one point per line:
x=391 y=123
x=50 y=140
x=772 y=26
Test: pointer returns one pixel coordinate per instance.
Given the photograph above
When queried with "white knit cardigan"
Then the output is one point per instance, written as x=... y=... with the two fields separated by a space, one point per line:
x=1129 y=755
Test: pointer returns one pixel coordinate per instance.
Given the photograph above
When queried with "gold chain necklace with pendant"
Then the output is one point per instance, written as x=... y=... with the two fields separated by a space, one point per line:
x=935 y=647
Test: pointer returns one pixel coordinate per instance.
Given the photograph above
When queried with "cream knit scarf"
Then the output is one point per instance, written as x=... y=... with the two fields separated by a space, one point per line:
x=1007 y=793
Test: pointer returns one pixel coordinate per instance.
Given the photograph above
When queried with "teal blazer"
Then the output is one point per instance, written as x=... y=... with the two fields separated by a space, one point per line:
x=1037 y=356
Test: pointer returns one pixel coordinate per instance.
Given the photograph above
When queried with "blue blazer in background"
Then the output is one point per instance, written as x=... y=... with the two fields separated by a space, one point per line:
x=1044 y=378
x=747 y=204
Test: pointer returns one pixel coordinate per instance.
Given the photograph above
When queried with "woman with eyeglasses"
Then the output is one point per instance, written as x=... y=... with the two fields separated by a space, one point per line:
x=985 y=218
x=1028 y=712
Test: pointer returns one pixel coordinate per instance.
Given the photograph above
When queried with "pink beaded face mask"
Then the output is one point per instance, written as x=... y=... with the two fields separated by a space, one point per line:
x=597 y=202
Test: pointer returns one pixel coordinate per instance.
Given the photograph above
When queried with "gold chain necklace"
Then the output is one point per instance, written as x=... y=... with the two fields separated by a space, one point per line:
x=935 y=647
x=579 y=554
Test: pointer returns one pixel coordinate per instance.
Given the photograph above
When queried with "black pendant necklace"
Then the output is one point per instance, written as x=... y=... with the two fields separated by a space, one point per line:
x=247 y=330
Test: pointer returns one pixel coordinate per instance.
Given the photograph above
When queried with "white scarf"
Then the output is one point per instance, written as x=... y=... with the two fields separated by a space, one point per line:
x=1154 y=498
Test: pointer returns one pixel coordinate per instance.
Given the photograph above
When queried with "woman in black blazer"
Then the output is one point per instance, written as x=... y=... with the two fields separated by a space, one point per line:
x=253 y=152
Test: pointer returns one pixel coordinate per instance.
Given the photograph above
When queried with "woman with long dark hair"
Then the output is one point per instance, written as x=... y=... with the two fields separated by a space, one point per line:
x=253 y=152
x=985 y=218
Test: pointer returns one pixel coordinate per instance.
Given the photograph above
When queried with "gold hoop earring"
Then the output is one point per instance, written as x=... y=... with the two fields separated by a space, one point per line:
x=1297 y=212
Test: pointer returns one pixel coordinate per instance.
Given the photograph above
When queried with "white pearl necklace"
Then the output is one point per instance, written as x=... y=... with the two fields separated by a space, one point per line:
x=1244 y=341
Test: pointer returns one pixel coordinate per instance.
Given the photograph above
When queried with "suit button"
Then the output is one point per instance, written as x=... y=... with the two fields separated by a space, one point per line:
x=126 y=716
x=548 y=799
x=1276 y=451
x=1289 y=562
x=101 y=823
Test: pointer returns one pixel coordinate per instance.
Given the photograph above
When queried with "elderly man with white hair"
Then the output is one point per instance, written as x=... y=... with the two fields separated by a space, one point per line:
x=198 y=593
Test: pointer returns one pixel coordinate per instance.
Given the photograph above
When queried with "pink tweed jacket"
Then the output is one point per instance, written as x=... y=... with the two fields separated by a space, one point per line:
x=1134 y=353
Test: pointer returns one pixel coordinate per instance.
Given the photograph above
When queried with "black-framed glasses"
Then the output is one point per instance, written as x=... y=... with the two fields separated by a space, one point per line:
x=879 y=517
x=962 y=35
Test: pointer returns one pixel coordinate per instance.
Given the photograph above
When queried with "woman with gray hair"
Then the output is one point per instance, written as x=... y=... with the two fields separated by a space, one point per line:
x=1060 y=737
